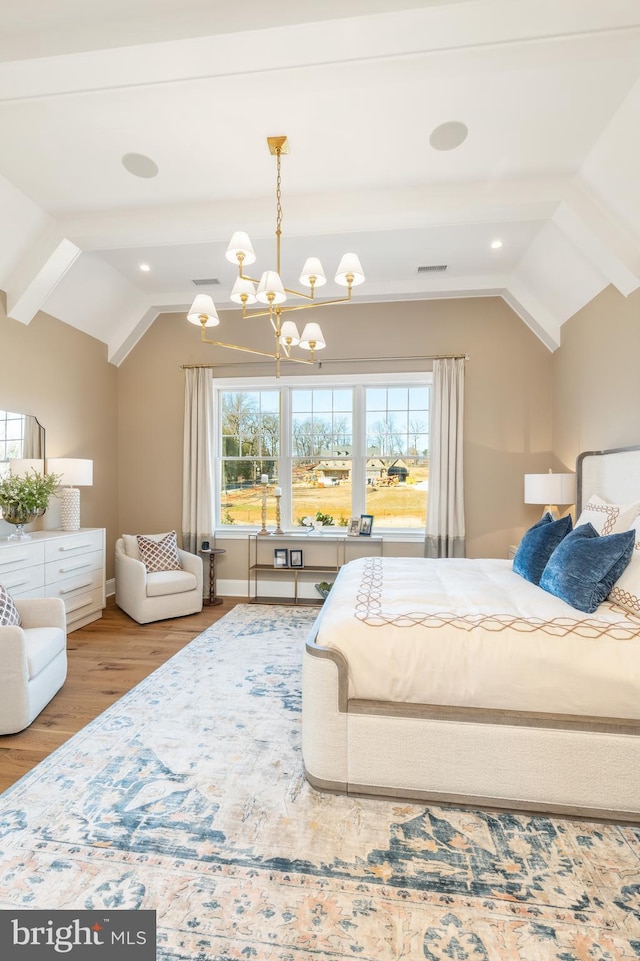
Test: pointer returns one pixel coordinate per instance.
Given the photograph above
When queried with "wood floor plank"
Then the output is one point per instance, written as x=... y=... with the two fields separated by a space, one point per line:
x=106 y=659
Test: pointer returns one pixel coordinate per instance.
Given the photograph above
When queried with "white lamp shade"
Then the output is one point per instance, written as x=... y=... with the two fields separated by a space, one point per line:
x=203 y=306
x=312 y=268
x=549 y=488
x=74 y=472
x=349 y=266
x=270 y=283
x=312 y=338
x=289 y=334
x=240 y=244
x=243 y=292
x=21 y=466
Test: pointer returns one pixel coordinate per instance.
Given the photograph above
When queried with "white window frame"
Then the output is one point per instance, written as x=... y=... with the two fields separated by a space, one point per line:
x=326 y=381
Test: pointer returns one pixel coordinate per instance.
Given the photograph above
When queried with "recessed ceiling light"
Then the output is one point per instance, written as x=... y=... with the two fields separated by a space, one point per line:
x=139 y=165
x=496 y=244
x=449 y=135
x=145 y=267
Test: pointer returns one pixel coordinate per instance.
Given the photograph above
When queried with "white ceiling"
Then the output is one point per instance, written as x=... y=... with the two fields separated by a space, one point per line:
x=549 y=91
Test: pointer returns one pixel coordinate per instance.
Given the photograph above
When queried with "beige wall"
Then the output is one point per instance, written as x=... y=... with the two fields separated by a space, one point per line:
x=62 y=377
x=129 y=419
x=595 y=377
x=508 y=404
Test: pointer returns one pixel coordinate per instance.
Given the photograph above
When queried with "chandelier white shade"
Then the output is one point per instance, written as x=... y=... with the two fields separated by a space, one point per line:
x=312 y=273
x=312 y=338
x=75 y=472
x=350 y=272
x=270 y=291
x=203 y=311
x=289 y=334
x=243 y=292
x=240 y=248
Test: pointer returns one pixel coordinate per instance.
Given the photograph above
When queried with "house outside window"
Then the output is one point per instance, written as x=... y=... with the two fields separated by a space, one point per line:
x=334 y=449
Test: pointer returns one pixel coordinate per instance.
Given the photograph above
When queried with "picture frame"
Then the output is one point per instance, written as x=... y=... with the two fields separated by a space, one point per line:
x=296 y=558
x=366 y=524
x=281 y=557
x=354 y=527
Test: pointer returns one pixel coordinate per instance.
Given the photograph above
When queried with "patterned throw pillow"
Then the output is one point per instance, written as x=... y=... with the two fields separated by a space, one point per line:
x=608 y=518
x=626 y=591
x=9 y=616
x=159 y=555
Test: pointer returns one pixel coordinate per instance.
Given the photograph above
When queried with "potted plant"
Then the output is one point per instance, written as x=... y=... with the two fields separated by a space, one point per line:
x=23 y=498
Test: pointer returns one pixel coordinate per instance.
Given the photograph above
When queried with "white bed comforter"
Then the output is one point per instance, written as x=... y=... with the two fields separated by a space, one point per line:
x=473 y=633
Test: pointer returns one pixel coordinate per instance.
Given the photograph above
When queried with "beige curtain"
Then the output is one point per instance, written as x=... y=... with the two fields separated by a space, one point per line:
x=445 y=508
x=197 y=478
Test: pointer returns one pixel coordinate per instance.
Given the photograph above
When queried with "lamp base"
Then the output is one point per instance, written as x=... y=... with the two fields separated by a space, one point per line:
x=553 y=510
x=70 y=510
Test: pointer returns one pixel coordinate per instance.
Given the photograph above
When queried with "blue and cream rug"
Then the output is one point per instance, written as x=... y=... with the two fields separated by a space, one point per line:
x=188 y=797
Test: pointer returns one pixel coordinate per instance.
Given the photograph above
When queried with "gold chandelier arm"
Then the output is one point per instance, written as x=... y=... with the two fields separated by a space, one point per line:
x=283 y=310
x=252 y=350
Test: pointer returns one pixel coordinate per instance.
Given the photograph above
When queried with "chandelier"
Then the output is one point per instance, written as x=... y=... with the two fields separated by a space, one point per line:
x=270 y=291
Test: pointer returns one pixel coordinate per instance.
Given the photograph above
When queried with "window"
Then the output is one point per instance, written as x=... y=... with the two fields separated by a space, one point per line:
x=11 y=438
x=332 y=449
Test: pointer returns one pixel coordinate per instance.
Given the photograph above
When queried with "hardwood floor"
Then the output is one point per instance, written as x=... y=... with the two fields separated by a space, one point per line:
x=106 y=659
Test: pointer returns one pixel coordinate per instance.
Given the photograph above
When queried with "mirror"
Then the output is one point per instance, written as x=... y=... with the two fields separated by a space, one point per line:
x=21 y=435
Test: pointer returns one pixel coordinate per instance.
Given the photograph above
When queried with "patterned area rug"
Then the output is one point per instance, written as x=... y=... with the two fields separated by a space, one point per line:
x=188 y=796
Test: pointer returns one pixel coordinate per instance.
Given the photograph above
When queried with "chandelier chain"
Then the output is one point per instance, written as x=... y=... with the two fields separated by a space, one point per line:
x=278 y=205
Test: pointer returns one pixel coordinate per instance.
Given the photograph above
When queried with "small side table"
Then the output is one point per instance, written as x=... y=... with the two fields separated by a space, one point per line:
x=211 y=554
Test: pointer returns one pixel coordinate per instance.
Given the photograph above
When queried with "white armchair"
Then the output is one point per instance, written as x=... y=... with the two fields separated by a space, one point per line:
x=153 y=597
x=33 y=666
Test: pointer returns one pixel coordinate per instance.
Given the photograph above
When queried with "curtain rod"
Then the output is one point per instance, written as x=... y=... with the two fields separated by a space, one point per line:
x=339 y=360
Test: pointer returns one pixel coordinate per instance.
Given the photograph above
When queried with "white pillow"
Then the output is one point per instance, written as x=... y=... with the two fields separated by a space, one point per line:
x=608 y=518
x=626 y=590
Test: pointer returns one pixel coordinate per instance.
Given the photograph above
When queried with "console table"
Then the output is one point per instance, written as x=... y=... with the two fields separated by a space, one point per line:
x=323 y=554
x=70 y=565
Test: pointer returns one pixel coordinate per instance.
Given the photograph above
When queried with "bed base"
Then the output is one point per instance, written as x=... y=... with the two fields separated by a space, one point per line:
x=549 y=763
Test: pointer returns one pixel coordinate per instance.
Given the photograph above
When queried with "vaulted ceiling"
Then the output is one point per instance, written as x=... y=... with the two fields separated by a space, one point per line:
x=544 y=96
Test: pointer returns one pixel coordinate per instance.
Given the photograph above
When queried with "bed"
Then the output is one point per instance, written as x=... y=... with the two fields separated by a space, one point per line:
x=459 y=681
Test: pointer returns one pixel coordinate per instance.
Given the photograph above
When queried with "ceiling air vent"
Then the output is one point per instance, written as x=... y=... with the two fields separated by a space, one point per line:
x=432 y=268
x=206 y=282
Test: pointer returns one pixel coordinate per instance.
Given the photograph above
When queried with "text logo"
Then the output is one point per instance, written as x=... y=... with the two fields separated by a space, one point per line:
x=37 y=935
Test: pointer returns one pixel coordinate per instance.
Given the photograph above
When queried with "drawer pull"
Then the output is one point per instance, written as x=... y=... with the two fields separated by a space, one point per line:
x=76 y=587
x=77 y=607
x=15 y=560
x=16 y=583
x=76 y=547
x=74 y=567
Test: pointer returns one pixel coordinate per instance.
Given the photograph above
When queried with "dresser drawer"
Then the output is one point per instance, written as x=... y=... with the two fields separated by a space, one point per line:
x=14 y=557
x=21 y=580
x=77 y=584
x=72 y=545
x=72 y=565
x=83 y=606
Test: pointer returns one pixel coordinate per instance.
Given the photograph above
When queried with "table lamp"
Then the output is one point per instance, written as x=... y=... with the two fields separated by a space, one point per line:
x=73 y=471
x=550 y=489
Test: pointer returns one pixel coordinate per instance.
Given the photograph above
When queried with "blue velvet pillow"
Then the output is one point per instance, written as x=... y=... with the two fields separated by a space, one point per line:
x=538 y=544
x=584 y=567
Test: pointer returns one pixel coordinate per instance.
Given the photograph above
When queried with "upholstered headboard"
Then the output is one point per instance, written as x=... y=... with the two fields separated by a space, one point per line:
x=612 y=474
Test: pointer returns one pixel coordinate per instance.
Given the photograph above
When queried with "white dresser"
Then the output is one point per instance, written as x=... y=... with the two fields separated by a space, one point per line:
x=58 y=564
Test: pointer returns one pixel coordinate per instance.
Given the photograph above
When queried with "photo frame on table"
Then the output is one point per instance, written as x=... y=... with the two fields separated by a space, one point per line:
x=296 y=558
x=354 y=527
x=366 y=524
x=281 y=557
